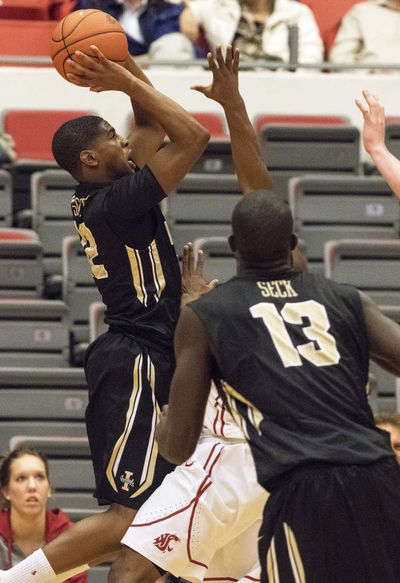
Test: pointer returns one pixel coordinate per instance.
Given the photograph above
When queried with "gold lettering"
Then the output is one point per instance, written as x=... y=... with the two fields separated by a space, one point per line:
x=280 y=288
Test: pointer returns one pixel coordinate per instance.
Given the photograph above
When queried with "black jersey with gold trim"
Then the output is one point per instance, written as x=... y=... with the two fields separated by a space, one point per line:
x=131 y=255
x=291 y=359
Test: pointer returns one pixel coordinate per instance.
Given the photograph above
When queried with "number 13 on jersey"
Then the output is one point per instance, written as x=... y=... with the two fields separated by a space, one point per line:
x=320 y=351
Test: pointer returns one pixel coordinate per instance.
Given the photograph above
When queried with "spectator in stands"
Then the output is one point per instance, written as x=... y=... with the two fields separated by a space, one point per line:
x=25 y=522
x=261 y=29
x=151 y=26
x=391 y=422
x=369 y=33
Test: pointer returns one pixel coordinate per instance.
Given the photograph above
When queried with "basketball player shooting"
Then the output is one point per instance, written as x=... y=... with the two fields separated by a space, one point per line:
x=132 y=259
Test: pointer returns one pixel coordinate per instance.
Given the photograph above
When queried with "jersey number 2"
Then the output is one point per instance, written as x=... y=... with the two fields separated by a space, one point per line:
x=90 y=247
x=321 y=351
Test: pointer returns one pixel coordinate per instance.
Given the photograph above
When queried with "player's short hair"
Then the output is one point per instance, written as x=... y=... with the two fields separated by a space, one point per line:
x=388 y=418
x=72 y=137
x=262 y=225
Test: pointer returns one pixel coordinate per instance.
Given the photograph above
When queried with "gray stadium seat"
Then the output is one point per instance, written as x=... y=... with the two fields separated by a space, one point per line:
x=39 y=428
x=327 y=208
x=372 y=266
x=202 y=207
x=292 y=149
x=79 y=289
x=52 y=218
x=34 y=333
x=21 y=263
x=216 y=158
x=96 y=320
x=6 y=204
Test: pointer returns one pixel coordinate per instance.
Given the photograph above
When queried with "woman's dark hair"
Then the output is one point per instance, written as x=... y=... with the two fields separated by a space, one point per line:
x=5 y=468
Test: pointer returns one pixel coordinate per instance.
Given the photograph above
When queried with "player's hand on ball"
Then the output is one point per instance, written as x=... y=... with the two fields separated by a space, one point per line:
x=97 y=72
x=193 y=283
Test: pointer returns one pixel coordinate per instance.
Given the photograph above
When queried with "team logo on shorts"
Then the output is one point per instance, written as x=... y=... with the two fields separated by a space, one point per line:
x=166 y=542
x=127 y=480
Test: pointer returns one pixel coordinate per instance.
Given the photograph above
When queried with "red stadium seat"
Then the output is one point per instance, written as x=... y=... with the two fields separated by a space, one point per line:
x=214 y=122
x=37 y=10
x=264 y=119
x=25 y=37
x=33 y=130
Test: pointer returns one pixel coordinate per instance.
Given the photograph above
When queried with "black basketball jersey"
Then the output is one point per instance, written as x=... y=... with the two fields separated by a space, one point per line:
x=291 y=358
x=131 y=255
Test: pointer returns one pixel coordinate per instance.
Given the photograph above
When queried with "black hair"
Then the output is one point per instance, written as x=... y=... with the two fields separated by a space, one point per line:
x=5 y=468
x=262 y=225
x=72 y=137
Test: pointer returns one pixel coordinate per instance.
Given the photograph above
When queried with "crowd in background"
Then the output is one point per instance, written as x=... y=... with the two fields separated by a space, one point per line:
x=308 y=31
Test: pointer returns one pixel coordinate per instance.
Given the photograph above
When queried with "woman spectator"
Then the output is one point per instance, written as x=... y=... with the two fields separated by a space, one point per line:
x=25 y=522
x=260 y=28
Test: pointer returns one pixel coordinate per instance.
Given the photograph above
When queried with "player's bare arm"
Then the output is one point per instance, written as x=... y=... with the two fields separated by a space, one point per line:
x=374 y=140
x=180 y=425
x=250 y=166
x=193 y=283
x=187 y=137
x=383 y=336
x=148 y=134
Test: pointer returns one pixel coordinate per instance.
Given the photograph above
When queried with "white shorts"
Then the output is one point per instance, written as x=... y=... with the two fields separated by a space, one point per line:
x=202 y=523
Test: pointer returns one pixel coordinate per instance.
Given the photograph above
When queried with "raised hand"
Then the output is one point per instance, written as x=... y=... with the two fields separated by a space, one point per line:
x=193 y=282
x=224 y=87
x=374 y=121
x=97 y=72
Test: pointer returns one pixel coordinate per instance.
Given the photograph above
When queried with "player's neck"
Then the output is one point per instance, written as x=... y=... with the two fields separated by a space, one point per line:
x=263 y=269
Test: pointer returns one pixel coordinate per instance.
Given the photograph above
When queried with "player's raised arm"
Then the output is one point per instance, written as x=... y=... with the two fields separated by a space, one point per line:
x=147 y=135
x=187 y=137
x=250 y=166
x=180 y=424
x=374 y=140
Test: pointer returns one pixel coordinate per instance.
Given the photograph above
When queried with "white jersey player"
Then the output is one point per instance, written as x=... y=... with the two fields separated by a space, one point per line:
x=202 y=522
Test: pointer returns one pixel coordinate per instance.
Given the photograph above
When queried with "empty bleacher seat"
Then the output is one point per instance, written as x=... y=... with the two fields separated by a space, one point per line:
x=52 y=219
x=202 y=207
x=34 y=332
x=293 y=149
x=373 y=266
x=6 y=202
x=216 y=158
x=79 y=289
x=21 y=264
x=330 y=207
x=96 y=320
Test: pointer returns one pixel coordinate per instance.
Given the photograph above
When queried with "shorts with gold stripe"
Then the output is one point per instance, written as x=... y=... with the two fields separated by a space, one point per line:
x=333 y=524
x=128 y=385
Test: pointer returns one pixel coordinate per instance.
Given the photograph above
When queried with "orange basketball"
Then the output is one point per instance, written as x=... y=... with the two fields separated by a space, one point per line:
x=82 y=28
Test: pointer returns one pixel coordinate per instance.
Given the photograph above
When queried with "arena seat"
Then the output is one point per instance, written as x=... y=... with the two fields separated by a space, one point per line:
x=294 y=149
x=34 y=332
x=214 y=122
x=202 y=207
x=21 y=265
x=51 y=217
x=96 y=320
x=216 y=158
x=6 y=202
x=371 y=265
x=40 y=9
x=325 y=120
x=332 y=207
x=25 y=37
x=79 y=290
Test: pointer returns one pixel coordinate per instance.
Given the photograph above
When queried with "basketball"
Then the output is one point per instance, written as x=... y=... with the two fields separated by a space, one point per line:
x=82 y=28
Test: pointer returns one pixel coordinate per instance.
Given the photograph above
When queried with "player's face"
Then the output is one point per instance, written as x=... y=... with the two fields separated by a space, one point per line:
x=28 y=488
x=394 y=438
x=113 y=153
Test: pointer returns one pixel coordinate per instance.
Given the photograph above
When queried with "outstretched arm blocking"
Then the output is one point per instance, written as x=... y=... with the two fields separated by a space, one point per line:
x=374 y=140
x=250 y=166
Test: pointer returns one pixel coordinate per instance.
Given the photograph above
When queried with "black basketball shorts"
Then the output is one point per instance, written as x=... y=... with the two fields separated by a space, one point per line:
x=128 y=385
x=334 y=524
